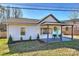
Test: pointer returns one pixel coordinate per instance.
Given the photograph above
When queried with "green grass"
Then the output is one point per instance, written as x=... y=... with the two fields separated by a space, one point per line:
x=67 y=43
x=35 y=48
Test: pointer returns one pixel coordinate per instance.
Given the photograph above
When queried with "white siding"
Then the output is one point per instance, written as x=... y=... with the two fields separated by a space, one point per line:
x=50 y=19
x=32 y=31
x=14 y=32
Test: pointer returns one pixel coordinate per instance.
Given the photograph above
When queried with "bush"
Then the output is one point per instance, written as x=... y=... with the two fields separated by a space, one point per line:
x=30 y=38
x=10 y=40
x=38 y=37
x=60 y=35
x=54 y=35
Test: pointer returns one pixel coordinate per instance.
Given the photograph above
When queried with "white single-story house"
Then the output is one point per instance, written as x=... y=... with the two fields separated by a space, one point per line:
x=24 y=28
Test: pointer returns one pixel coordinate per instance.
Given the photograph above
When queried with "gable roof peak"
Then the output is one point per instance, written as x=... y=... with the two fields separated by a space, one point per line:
x=51 y=16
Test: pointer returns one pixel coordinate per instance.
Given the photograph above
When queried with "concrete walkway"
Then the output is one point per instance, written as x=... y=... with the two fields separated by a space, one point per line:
x=49 y=40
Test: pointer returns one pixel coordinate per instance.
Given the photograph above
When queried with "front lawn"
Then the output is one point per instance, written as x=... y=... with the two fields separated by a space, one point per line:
x=36 y=48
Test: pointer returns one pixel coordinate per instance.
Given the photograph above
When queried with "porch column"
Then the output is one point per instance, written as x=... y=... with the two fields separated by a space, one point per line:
x=72 y=32
x=61 y=32
x=47 y=32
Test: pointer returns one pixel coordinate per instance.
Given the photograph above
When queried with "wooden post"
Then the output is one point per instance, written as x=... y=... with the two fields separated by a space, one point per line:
x=47 y=32
x=61 y=32
x=72 y=32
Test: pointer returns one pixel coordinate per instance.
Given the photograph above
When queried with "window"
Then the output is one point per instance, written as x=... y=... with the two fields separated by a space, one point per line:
x=55 y=29
x=45 y=30
x=22 y=31
x=67 y=28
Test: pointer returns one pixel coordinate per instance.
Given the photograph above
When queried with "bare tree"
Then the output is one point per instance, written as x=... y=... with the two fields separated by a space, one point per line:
x=7 y=13
x=74 y=15
x=16 y=13
x=3 y=13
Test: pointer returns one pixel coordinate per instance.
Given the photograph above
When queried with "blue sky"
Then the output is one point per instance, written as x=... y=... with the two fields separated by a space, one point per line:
x=39 y=14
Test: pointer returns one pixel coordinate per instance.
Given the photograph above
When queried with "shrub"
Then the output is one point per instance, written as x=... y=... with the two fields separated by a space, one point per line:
x=30 y=38
x=60 y=35
x=38 y=37
x=10 y=40
x=54 y=35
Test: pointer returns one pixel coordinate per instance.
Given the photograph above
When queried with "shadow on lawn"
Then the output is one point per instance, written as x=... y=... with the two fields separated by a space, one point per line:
x=29 y=46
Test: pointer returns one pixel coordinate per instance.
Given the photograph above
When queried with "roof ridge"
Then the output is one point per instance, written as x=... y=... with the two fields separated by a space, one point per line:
x=28 y=18
x=71 y=20
x=25 y=19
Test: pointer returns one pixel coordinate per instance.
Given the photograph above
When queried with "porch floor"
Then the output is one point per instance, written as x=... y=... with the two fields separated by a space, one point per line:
x=50 y=40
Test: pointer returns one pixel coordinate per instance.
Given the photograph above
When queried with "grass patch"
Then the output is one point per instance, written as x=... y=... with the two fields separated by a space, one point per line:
x=36 y=48
x=67 y=43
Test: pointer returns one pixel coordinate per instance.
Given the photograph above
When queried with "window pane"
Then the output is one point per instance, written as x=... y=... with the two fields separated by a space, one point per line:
x=22 y=31
x=45 y=31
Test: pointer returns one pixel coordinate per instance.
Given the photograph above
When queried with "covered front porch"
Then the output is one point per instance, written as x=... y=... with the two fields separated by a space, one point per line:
x=56 y=32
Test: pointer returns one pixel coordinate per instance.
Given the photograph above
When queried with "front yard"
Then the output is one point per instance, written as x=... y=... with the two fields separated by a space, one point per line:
x=36 y=48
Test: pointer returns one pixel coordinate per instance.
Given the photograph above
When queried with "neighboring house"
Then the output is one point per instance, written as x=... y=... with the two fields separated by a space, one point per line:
x=75 y=23
x=3 y=32
x=24 y=28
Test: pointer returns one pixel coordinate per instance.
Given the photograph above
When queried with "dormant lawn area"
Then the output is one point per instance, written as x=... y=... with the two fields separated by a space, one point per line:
x=36 y=48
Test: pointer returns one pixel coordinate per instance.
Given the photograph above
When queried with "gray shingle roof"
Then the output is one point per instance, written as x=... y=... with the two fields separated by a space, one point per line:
x=71 y=20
